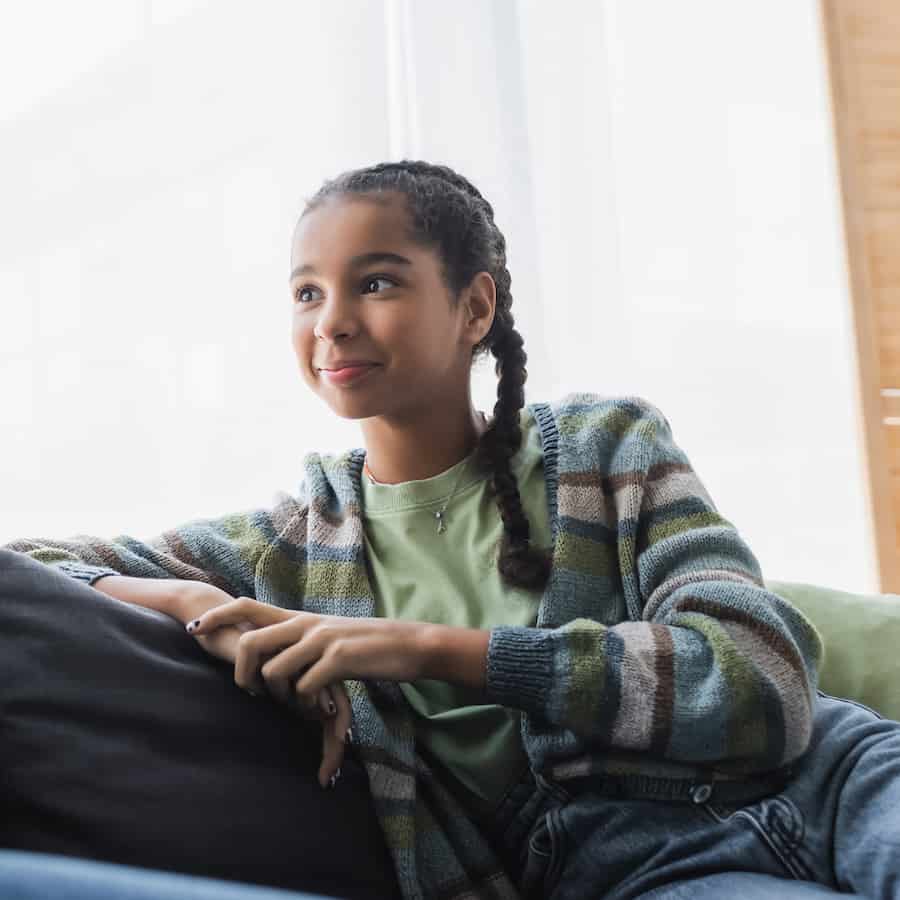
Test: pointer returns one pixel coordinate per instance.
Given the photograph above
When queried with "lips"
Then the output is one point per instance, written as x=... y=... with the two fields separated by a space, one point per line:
x=347 y=363
x=347 y=374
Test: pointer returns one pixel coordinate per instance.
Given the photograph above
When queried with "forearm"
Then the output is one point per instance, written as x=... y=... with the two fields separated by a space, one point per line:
x=221 y=551
x=455 y=655
x=708 y=690
x=161 y=594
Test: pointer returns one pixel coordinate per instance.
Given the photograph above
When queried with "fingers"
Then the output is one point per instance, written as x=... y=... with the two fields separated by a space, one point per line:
x=332 y=757
x=268 y=660
x=242 y=608
x=332 y=707
x=326 y=703
x=344 y=717
x=334 y=736
x=262 y=668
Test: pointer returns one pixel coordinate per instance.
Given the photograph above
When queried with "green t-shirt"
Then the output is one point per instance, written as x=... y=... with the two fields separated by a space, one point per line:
x=452 y=578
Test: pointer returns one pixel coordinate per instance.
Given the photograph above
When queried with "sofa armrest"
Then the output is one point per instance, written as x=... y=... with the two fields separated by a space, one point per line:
x=861 y=634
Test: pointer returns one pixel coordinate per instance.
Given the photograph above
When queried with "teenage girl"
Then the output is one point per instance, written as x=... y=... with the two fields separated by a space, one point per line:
x=559 y=664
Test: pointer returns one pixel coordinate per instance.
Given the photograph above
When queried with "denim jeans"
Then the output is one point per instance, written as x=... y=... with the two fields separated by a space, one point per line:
x=834 y=827
x=45 y=876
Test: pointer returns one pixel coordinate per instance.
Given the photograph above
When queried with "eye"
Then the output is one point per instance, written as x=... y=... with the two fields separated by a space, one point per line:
x=298 y=293
x=369 y=279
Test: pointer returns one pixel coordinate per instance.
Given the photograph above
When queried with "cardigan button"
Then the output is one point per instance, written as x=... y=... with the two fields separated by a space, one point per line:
x=701 y=793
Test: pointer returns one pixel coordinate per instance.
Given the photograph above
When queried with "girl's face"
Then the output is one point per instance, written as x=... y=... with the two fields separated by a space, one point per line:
x=393 y=312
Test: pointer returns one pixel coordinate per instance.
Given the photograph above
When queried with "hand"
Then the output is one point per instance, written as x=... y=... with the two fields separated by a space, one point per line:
x=331 y=705
x=324 y=648
x=182 y=599
x=193 y=598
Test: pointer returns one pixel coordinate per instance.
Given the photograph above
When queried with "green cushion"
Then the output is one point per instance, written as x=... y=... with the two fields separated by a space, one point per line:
x=861 y=633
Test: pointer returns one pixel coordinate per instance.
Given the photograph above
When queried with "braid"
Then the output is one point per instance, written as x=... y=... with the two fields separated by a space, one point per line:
x=520 y=564
x=447 y=210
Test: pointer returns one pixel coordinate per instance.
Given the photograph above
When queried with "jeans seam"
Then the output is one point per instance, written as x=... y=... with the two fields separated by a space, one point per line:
x=553 y=788
x=853 y=702
x=782 y=843
x=763 y=834
x=789 y=839
x=558 y=849
x=552 y=858
x=715 y=813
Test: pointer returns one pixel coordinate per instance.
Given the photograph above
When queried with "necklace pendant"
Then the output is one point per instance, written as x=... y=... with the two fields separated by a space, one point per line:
x=439 y=515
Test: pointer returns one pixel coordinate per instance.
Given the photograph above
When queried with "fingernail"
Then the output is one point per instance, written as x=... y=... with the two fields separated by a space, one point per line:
x=332 y=709
x=348 y=737
x=333 y=780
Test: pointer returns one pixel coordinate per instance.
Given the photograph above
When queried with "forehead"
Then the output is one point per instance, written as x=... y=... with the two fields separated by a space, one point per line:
x=344 y=227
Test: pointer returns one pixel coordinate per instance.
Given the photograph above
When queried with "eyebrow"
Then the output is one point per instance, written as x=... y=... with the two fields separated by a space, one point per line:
x=362 y=259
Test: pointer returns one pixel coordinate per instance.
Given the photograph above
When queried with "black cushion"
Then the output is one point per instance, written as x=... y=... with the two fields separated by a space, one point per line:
x=123 y=740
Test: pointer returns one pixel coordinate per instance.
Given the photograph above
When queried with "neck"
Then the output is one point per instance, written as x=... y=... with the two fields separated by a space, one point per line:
x=398 y=451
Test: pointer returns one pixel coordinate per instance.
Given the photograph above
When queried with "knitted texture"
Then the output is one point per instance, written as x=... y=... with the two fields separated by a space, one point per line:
x=658 y=657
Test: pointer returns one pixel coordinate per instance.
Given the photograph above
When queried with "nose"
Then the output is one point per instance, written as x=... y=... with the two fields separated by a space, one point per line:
x=337 y=318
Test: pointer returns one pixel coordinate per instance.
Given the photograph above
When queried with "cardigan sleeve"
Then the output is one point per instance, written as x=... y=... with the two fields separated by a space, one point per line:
x=223 y=551
x=710 y=666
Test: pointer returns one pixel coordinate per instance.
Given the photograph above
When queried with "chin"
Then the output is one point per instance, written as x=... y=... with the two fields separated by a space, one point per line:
x=351 y=410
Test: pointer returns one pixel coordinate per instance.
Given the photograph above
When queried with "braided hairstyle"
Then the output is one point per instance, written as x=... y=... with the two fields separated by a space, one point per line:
x=447 y=213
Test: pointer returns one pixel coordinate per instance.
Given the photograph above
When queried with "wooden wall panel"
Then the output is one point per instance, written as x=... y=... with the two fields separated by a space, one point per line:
x=862 y=39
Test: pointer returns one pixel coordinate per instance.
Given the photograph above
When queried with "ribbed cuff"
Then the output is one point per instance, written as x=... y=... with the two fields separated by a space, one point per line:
x=520 y=667
x=84 y=572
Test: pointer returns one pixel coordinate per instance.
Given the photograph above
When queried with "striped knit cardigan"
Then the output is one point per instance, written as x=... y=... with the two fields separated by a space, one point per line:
x=658 y=651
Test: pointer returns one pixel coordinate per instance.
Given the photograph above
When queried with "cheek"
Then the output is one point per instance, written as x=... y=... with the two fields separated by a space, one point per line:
x=409 y=339
x=303 y=342
x=301 y=334
x=425 y=344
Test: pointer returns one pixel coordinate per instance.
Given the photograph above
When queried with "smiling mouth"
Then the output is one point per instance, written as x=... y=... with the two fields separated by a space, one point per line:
x=346 y=375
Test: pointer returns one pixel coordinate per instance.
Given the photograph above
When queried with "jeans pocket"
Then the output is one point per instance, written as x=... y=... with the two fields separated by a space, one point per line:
x=545 y=857
x=775 y=821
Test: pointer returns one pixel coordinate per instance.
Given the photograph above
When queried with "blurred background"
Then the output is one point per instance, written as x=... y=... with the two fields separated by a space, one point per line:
x=667 y=176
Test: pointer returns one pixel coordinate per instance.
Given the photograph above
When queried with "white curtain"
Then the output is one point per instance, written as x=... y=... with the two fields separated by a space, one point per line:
x=664 y=176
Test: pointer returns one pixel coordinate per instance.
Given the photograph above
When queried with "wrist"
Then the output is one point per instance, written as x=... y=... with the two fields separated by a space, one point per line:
x=190 y=599
x=453 y=654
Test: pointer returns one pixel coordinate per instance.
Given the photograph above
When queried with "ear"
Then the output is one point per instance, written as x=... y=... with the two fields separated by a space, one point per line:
x=480 y=303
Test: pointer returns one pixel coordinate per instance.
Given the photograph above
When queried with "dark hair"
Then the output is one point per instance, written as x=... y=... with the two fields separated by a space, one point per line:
x=448 y=213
